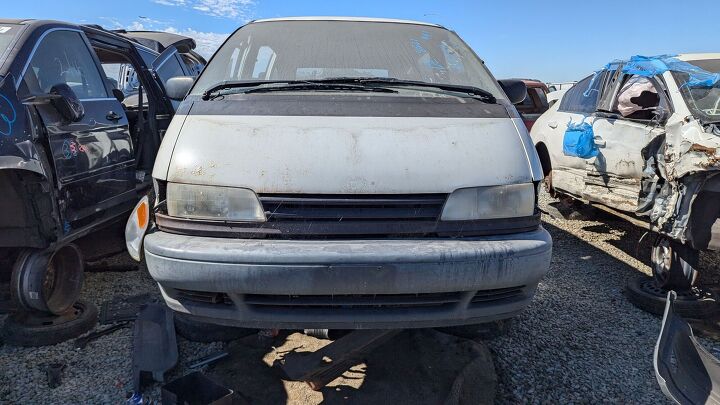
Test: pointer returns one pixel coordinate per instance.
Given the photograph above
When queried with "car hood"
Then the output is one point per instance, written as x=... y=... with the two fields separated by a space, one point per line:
x=320 y=154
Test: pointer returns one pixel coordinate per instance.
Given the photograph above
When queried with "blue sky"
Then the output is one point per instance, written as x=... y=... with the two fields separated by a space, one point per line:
x=549 y=40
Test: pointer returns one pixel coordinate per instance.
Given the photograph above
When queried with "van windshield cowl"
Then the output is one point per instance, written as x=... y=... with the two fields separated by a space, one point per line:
x=381 y=85
x=358 y=52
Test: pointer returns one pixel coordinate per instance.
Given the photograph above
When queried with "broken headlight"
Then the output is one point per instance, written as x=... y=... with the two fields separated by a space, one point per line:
x=492 y=202
x=213 y=202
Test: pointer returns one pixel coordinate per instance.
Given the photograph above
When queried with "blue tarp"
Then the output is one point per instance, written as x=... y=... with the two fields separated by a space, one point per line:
x=579 y=141
x=648 y=66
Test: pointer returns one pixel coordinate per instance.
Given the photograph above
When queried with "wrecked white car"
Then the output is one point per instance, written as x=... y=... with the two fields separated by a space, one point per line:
x=641 y=137
x=346 y=173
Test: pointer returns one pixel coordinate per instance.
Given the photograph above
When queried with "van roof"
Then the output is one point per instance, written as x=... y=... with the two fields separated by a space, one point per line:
x=360 y=19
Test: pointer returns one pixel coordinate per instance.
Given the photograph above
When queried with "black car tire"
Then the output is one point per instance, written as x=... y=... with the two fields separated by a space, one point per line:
x=45 y=329
x=197 y=331
x=692 y=304
x=673 y=264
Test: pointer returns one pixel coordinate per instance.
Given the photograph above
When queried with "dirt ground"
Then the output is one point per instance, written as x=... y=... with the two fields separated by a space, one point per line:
x=421 y=366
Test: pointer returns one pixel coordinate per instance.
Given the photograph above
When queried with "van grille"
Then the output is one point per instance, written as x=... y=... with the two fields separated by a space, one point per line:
x=348 y=207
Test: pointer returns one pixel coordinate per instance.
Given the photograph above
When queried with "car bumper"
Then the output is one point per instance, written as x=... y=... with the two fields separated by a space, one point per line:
x=348 y=284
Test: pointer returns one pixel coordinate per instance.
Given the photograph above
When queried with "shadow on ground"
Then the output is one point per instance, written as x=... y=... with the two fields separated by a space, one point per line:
x=418 y=366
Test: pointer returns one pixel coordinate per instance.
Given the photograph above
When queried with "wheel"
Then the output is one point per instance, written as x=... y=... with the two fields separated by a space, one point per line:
x=484 y=331
x=47 y=281
x=38 y=329
x=197 y=331
x=673 y=264
x=694 y=303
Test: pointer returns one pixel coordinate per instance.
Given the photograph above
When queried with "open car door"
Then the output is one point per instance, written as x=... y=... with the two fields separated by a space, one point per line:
x=168 y=65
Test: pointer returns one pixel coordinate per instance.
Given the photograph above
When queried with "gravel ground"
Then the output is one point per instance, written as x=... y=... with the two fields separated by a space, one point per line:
x=580 y=340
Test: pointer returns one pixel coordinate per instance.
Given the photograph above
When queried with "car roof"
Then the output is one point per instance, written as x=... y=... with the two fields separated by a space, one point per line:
x=698 y=56
x=355 y=19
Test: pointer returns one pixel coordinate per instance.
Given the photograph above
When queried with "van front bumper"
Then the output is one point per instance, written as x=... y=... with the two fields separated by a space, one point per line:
x=348 y=284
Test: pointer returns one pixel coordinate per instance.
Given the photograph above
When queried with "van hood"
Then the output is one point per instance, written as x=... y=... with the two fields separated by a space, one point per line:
x=336 y=155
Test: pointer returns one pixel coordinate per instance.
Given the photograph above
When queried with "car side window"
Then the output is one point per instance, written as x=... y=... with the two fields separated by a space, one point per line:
x=582 y=98
x=64 y=57
x=542 y=97
x=638 y=98
x=170 y=67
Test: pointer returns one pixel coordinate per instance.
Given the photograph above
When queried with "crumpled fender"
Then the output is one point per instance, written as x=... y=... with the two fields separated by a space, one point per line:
x=28 y=159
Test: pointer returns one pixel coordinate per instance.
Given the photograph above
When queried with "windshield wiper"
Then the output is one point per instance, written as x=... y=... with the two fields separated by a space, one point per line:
x=380 y=84
x=479 y=93
x=257 y=86
x=318 y=86
x=240 y=84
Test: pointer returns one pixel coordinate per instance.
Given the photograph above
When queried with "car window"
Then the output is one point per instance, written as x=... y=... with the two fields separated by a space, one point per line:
x=193 y=66
x=122 y=76
x=169 y=68
x=64 y=57
x=582 y=98
x=147 y=56
x=542 y=96
x=638 y=98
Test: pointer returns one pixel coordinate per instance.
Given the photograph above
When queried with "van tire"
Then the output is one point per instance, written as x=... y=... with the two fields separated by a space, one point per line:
x=196 y=331
x=39 y=329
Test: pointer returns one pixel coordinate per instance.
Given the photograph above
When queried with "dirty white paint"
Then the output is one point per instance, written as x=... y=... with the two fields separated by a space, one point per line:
x=276 y=154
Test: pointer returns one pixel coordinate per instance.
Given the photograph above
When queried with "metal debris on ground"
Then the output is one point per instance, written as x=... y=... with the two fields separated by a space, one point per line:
x=323 y=366
x=54 y=374
x=197 y=389
x=205 y=360
x=82 y=342
x=154 y=344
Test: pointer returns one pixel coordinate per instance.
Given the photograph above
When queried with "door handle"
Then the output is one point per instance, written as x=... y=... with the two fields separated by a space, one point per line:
x=599 y=141
x=113 y=116
x=553 y=124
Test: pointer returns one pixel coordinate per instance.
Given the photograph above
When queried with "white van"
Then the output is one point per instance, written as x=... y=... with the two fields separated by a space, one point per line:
x=345 y=173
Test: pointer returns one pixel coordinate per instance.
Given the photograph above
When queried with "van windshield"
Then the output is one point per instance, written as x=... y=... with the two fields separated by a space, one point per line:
x=312 y=50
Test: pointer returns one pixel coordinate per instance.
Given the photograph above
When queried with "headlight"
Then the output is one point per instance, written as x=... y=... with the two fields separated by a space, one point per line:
x=509 y=201
x=213 y=202
x=135 y=228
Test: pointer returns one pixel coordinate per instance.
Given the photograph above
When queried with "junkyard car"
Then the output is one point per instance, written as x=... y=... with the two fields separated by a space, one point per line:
x=74 y=153
x=346 y=173
x=654 y=123
x=535 y=103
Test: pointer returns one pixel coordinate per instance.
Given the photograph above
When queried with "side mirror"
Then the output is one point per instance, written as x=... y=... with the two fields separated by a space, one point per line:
x=66 y=102
x=516 y=90
x=177 y=87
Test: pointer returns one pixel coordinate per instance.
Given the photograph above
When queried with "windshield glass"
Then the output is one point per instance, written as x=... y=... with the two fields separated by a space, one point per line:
x=704 y=102
x=305 y=50
x=7 y=33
